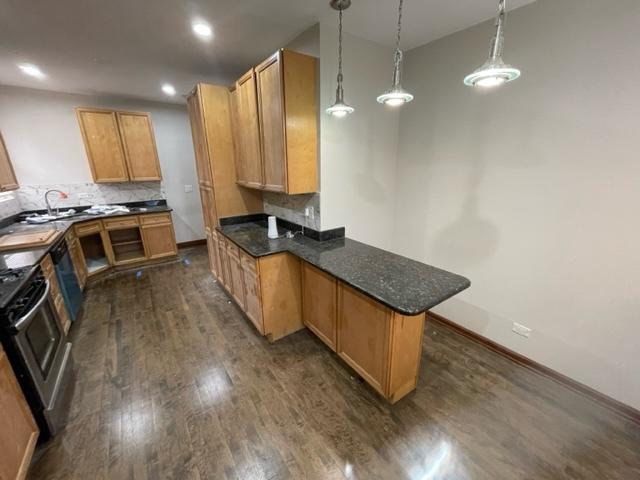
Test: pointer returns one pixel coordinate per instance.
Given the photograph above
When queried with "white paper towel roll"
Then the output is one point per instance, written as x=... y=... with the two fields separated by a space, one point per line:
x=273 y=228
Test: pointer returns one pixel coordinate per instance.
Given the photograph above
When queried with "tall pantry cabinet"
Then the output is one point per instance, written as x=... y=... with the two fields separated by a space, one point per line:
x=211 y=127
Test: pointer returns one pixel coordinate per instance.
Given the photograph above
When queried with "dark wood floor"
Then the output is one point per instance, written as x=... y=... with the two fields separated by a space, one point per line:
x=174 y=383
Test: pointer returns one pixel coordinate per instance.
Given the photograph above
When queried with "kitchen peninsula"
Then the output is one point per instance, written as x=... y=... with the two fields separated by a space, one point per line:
x=368 y=305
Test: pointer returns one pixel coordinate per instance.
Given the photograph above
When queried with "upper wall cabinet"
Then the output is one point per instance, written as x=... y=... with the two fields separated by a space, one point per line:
x=249 y=156
x=7 y=175
x=120 y=145
x=277 y=102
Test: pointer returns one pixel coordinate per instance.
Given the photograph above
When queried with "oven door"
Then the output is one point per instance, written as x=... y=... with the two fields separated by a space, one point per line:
x=41 y=340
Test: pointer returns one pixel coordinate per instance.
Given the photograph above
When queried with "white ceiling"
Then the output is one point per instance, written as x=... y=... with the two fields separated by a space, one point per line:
x=130 y=47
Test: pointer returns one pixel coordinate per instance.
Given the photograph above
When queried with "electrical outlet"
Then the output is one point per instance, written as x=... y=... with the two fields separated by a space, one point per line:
x=521 y=330
x=188 y=188
x=84 y=195
x=309 y=213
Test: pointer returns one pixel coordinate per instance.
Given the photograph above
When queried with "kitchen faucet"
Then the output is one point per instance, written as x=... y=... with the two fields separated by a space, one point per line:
x=46 y=200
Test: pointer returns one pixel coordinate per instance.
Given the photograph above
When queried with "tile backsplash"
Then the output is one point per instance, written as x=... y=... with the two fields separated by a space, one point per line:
x=31 y=197
x=292 y=207
x=9 y=204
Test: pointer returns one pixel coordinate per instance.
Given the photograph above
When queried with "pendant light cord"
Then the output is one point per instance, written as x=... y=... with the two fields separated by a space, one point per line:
x=397 y=59
x=340 y=50
x=496 y=43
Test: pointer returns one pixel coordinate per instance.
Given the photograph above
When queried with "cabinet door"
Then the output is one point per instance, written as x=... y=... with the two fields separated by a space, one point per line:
x=77 y=257
x=7 y=175
x=216 y=254
x=18 y=430
x=225 y=276
x=363 y=336
x=103 y=145
x=139 y=146
x=208 y=202
x=237 y=144
x=319 y=302
x=159 y=240
x=196 y=118
x=56 y=294
x=237 y=280
x=213 y=257
x=253 y=304
x=249 y=132
x=270 y=100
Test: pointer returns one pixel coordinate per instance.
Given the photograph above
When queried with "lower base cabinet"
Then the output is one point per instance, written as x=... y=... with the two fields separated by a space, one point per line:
x=281 y=294
x=383 y=346
x=18 y=429
x=267 y=289
x=319 y=303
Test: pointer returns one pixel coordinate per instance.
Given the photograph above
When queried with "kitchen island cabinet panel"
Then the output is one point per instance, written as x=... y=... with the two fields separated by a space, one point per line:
x=319 y=303
x=363 y=336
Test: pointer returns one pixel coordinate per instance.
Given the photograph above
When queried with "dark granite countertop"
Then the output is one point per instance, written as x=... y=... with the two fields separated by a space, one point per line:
x=406 y=286
x=32 y=256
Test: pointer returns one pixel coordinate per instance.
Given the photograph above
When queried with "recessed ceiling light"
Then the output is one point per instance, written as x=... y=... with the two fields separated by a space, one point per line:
x=202 y=29
x=31 y=70
x=169 y=89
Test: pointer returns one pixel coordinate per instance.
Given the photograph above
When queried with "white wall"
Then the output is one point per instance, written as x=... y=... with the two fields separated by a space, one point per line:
x=358 y=153
x=533 y=190
x=44 y=141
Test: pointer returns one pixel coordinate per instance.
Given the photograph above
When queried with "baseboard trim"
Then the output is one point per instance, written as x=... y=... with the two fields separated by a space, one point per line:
x=598 y=397
x=192 y=243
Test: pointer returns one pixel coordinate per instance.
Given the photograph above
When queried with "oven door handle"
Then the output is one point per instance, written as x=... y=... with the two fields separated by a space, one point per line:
x=24 y=321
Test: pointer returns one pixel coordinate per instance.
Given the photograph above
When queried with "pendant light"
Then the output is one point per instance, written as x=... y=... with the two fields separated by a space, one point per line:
x=494 y=72
x=339 y=108
x=397 y=95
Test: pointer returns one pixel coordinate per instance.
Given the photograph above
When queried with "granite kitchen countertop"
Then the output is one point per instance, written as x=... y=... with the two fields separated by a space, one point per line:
x=406 y=286
x=32 y=256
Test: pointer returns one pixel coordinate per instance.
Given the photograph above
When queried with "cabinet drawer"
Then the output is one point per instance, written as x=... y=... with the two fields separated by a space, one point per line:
x=87 y=228
x=122 y=222
x=155 y=218
x=248 y=263
x=233 y=250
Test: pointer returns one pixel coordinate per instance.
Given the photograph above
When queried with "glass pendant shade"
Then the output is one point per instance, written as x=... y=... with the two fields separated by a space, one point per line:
x=494 y=72
x=339 y=108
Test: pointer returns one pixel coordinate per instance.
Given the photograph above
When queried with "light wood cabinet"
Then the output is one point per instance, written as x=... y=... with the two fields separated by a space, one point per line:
x=77 y=257
x=7 y=175
x=319 y=303
x=46 y=264
x=235 y=272
x=225 y=275
x=248 y=133
x=158 y=237
x=267 y=289
x=120 y=146
x=213 y=256
x=18 y=429
x=196 y=116
x=276 y=126
x=210 y=113
x=139 y=146
x=363 y=336
x=383 y=346
x=253 y=295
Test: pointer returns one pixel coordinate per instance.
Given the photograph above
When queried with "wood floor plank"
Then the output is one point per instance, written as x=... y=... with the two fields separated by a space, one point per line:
x=174 y=383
